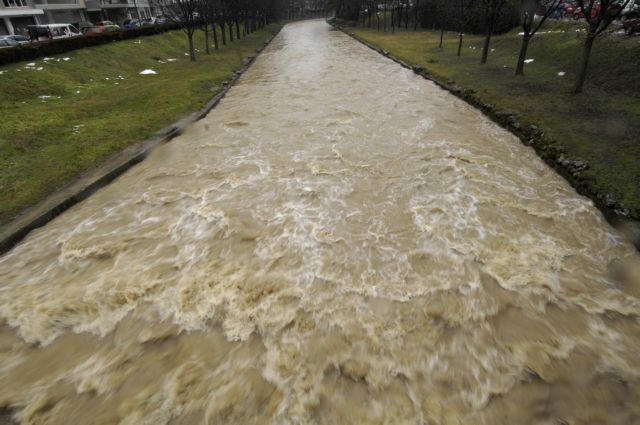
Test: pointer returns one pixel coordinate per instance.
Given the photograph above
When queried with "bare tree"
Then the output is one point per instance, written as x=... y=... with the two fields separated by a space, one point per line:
x=599 y=15
x=462 y=17
x=492 y=10
x=530 y=27
x=208 y=11
x=185 y=14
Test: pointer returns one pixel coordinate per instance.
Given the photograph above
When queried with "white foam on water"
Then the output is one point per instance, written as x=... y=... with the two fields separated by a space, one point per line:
x=364 y=253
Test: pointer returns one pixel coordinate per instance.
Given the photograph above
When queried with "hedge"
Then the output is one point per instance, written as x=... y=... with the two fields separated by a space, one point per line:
x=26 y=52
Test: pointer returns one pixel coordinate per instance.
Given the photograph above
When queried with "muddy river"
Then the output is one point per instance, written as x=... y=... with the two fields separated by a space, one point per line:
x=339 y=242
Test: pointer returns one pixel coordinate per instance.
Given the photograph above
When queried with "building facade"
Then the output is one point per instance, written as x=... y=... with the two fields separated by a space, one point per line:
x=16 y=15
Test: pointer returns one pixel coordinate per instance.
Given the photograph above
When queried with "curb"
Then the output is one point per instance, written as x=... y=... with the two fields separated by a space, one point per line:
x=90 y=181
x=551 y=153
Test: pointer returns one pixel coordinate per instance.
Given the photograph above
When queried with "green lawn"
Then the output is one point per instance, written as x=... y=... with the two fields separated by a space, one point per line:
x=98 y=103
x=601 y=126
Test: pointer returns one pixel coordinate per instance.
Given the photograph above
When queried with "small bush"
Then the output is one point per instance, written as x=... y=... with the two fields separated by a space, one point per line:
x=26 y=52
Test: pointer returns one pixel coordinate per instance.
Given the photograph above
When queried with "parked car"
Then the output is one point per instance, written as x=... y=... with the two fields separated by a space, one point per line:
x=132 y=23
x=84 y=26
x=631 y=24
x=21 y=39
x=7 y=42
x=106 y=26
x=614 y=11
x=52 y=31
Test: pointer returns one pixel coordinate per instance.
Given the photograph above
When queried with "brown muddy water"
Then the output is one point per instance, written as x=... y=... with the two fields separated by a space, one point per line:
x=339 y=242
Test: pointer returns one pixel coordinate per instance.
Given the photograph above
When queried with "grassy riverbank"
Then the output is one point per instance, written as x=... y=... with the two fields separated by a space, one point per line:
x=64 y=115
x=600 y=126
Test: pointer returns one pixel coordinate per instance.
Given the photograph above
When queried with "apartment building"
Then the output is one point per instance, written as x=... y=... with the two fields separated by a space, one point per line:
x=16 y=15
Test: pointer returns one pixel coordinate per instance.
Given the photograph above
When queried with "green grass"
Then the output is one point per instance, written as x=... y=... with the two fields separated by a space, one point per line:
x=99 y=105
x=601 y=126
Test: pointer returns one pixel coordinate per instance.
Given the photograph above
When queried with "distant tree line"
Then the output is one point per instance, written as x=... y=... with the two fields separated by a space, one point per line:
x=224 y=21
x=487 y=17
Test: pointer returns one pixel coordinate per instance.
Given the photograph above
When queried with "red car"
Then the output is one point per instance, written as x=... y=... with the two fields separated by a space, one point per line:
x=631 y=25
x=613 y=11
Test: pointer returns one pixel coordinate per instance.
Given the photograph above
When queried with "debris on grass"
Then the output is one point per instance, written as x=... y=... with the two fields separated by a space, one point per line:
x=528 y=60
x=561 y=74
x=148 y=72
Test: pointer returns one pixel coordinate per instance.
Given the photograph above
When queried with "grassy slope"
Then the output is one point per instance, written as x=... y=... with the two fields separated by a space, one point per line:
x=99 y=105
x=601 y=126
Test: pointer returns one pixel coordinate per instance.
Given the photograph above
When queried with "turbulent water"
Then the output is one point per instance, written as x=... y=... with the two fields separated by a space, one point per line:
x=340 y=241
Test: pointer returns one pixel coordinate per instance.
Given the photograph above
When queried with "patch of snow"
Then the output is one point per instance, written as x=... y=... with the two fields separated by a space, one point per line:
x=2 y=72
x=106 y=78
x=66 y=59
x=148 y=72
x=32 y=64
x=137 y=42
x=528 y=60
x=39 y=68
x=493 y=50
x=561 y=74
x=171 y=60
x=47 y=59
x=77 y=91
x=186 y=54
x=161 y=61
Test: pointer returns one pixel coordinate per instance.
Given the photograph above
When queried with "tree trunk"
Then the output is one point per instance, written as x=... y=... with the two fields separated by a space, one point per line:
x=378 y=18
x=523 y=54
x=393 y=21
x=230 y=25
x=224 y=34
x=206 y=39
x=192 y=50
x=459 y=44
x=441 y=38
x=487 y=43
x=237 y=29
x=584 y=62
x=215 y=36
x=406 y=18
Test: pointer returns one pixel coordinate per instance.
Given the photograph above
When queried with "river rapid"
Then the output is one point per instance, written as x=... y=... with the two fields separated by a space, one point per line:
x=339 y=242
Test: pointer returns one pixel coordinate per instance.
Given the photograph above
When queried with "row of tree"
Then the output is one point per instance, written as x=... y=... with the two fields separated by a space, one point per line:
x=228 y=20
x=489 y=17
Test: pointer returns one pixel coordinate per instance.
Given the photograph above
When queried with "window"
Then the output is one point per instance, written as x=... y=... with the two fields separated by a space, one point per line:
x=15 y=3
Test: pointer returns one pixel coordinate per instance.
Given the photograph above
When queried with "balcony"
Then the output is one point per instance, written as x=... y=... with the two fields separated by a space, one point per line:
x=113 y=4
x=15 y=3
x=57 y=2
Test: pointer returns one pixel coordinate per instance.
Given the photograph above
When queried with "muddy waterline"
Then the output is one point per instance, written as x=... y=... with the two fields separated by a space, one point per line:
x=340 y=241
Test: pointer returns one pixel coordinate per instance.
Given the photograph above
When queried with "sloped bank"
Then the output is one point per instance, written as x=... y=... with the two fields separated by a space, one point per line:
x=90 y=181
x=553 y=153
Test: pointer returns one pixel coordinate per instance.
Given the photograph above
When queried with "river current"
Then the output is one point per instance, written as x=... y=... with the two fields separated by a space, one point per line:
x=339 y=242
